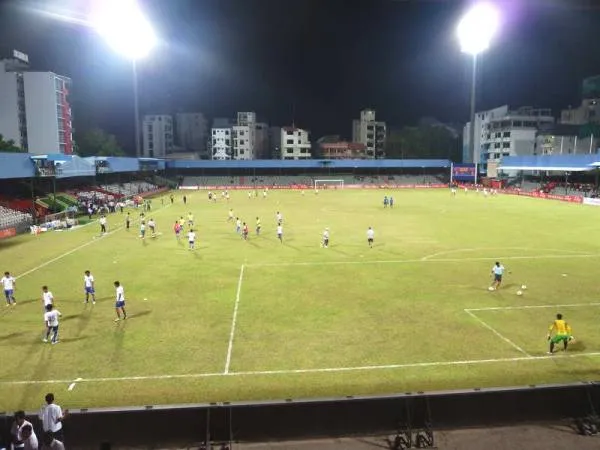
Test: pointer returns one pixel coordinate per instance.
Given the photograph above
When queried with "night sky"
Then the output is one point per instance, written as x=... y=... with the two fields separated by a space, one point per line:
x=317 y=62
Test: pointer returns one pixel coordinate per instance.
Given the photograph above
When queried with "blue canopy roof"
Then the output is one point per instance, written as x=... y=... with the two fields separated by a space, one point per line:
x=565 y=163
x=310 y=164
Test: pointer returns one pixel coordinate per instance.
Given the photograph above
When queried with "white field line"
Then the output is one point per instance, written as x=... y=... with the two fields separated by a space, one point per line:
x=503 y=308
x=67 y=253
x=302 y=371
x=420 y=260
x=72 y=385
x=493 y=330
x=479 y=249
x=234 y=321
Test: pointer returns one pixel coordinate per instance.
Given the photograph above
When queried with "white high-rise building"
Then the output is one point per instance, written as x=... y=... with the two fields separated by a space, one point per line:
x=295 y=143
x=221 y=147
x=191 y=133
x=503 y=132
x=371 y=133
x=481 y=121
x=34 y=107
x=157 y=133
x=244 y=136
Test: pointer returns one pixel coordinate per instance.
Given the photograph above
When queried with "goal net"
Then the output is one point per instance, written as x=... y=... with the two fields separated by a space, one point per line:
x=329 y=184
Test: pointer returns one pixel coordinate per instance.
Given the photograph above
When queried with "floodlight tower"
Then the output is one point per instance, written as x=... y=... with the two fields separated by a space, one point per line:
x=475 y=31
x=125 y=28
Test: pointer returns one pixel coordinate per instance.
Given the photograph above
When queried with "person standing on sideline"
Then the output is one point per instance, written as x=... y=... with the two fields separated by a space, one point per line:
x=325 y=242
x=497 y=272
x=102 y=224
x=391 y=202
x=370 y=236
x=184 y=200
x=127 y=221
x=88 y=287
x=120 y=301
x=51 y=443
x=172 y=198
x=8 y=283
x=52 y=417
x=23 y=436
x=51 y=318
x=257 y=226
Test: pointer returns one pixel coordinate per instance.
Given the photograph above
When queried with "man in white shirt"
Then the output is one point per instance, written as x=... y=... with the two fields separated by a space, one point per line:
x=102 y=224
x=88 y=287
x=325 y=243
x=47 y=297
x=22 y=433
x=497 y=272
x=279 y=217
x=280 y=232
x=191 y=239
x=52 y=417
x=51 y=320
x=8 y=283
x=370 y=237
x=120 y=301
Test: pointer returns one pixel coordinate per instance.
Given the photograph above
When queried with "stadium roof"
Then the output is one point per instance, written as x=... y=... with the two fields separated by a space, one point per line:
x=560 y=163
x=310 y=164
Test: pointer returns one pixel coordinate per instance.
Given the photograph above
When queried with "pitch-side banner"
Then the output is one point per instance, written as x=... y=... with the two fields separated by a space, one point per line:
x=8 y=232
x=307 y=187
x=591 y=201
x=463 y=172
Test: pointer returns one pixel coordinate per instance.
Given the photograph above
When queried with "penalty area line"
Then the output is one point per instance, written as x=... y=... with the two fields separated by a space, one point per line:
x=501 y=336
x=304 y=371
x=507 y=308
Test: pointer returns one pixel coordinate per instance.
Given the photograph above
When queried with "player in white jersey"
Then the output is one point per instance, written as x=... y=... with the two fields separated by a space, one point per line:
x=230 y=218
x=88 y=287
x=370 y=236
x=152 y=226
x=279 y=218
x=249 y=194
x=120 y=301
x=51 y=320
x=325 y=242
x=8 y=283
x=264 y=193
x=485 y=192
x=102 y=224
x=142 y=229
x=191 y=239
x=238 y=225
x=47 y=297
x=280 y=233
x=497 y=272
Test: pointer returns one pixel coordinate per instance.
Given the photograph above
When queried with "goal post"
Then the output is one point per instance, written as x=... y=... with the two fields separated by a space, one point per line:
x=326 y=184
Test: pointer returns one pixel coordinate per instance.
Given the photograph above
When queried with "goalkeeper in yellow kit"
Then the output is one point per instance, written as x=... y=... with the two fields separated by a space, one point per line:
x=559 y=331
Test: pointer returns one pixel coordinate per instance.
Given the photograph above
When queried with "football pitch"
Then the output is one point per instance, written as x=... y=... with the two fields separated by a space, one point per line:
x=259 y=319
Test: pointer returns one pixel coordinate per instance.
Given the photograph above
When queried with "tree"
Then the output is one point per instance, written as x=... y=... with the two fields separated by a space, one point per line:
x=97 y=142
x=9 y=146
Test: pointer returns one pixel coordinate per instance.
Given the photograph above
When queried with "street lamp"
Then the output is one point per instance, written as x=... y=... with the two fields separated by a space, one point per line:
x=125 y=28
x=475 y=31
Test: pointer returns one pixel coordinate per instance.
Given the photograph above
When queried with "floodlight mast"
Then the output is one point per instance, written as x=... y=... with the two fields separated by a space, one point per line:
x=125 y=28
x=475 y=31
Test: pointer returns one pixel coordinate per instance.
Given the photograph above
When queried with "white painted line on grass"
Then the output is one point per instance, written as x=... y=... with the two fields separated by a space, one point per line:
x=72 y=385
x=479 y=249
x=503 y=308
x=493 y=330
x=61 y=256
x=556 y=357
x=420 y=260
x=234 y=321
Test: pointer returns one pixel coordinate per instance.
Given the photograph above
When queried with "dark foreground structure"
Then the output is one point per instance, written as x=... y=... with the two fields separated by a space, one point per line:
x=410 y=419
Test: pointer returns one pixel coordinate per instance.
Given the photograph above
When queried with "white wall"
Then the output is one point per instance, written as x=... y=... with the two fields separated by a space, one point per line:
x=295 y=144
x=221 y=143
x=9 y=116
x=157 y=135
x=243 y=138
x=41 y=104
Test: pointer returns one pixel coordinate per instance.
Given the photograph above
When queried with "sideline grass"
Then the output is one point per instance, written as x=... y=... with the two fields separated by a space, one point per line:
x=301 y=306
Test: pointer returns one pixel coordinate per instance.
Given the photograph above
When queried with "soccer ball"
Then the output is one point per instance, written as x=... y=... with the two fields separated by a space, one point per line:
x=519 y=292
x=491 y=288
x=523 y=287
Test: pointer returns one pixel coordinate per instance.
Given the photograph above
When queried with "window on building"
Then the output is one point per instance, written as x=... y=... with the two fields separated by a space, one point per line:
x=289 y=132
x=241 y=152
x=506 y=134
x=241 y=132
x=497 y=145
x=289 y=141
x=226 y=132
x=517 y=123
x=290 y=150
x=488 y=136
x=227 y=142
x=214 y=132
x=370 y=127
x=497 y=135
x=370 y=136
x=150 y=145
x=486 y=146
x=235 y=142
x=506 y=154
x=506 y=145
x=214 y=142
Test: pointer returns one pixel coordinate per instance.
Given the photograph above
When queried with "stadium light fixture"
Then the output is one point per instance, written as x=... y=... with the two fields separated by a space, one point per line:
x=128 y=32
x=475 y=32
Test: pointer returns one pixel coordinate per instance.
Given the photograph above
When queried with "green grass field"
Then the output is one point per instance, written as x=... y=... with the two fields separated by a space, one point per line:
x=237 y=320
